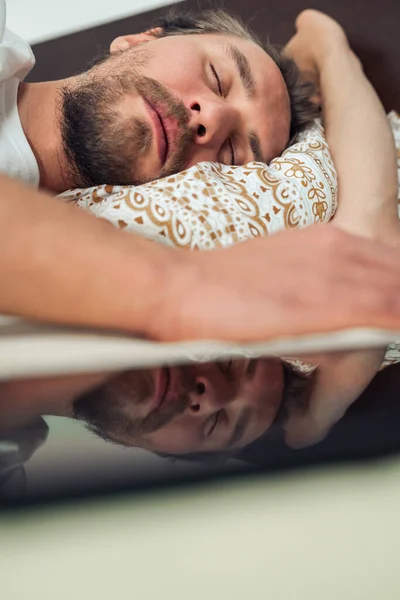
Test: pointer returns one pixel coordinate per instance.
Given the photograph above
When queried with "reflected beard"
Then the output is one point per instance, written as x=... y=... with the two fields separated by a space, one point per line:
x=109 y=410
x=102 y=147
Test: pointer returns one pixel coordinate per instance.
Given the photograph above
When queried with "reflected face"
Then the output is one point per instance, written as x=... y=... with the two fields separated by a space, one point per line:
x=196 y=408
x=165 y=105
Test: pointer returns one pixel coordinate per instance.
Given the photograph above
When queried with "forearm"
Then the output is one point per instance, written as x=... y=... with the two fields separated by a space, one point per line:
x=338 y=382
x=362 y=148
x=63 y=265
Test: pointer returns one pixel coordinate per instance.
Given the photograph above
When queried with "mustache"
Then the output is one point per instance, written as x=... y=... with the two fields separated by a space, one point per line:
x=158 y=419
x=165 y=414
x=106 y=409
x=156 y=94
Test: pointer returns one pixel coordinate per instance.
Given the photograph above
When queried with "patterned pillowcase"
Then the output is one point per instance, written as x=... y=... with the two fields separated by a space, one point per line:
x=212 y=205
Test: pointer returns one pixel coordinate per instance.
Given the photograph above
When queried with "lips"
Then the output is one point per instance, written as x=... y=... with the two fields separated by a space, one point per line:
x=160 y=129
x=162 y=383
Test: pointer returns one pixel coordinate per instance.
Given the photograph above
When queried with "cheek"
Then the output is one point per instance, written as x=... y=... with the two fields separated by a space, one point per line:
x=180 y=75
x=178 y=437
x=266 y=397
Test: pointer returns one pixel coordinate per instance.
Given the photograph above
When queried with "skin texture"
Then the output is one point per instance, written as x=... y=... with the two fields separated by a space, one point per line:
x=112 y=279
x=103 y=126
x=194 y=408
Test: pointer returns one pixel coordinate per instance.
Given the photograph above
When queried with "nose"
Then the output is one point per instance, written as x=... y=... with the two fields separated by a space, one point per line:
x=210 y=393
x=212 y=120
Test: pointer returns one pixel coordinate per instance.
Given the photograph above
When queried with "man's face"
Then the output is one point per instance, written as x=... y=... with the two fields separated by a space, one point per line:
x=196 y=408
x=163 y=106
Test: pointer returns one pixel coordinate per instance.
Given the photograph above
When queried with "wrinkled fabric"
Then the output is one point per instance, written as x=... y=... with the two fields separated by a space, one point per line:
x=212 y=205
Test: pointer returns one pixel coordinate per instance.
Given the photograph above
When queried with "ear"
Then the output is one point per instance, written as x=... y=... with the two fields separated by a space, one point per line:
x=124 y=42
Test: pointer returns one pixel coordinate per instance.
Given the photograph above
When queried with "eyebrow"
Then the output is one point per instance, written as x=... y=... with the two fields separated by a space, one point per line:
x=243 y=68
x=251 y=369
x=240 y=428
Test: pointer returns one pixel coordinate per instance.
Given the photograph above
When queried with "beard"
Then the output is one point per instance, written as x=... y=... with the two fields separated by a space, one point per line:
x=102 y=146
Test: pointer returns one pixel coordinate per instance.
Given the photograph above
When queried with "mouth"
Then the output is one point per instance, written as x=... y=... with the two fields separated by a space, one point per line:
x=160 y=125
x=162 y=384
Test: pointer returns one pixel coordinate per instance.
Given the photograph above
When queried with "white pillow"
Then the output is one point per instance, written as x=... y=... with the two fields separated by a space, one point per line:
x=212 y=205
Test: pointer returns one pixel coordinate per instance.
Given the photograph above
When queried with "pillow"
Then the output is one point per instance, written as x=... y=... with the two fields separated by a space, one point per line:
x=212 y=205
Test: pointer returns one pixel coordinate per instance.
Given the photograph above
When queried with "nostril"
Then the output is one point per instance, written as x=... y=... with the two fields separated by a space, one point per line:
x=196 y=107
x=200 y=388
x=201 y=131
x=195 y=408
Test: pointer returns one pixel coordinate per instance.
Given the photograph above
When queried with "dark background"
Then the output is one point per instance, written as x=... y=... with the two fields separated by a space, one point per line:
x=371 y=427
x=373 y=27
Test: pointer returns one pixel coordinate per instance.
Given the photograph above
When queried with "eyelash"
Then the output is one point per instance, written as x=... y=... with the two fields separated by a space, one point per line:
x=218 y=414
x=215 y=423
x=217 y=80
x=220 y=92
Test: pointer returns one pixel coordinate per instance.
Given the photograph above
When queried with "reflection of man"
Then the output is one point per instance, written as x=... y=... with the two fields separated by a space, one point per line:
x=212 y=407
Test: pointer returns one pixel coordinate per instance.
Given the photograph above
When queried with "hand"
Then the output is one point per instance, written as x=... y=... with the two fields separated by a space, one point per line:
x=316 y=35
x=295 y=282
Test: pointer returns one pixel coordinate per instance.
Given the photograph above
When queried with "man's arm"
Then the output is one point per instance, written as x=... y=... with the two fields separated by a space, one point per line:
x=357 y=130
x=62 y=265
x=59 y=264
x=363 y=151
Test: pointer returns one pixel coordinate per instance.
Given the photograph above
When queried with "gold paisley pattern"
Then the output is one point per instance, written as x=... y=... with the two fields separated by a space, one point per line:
x=213 y=205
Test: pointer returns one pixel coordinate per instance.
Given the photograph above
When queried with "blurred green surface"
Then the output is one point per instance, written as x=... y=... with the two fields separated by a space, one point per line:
x=324 y=534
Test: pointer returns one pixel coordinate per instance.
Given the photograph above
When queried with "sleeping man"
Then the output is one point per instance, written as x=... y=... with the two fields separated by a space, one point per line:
x=161 y=101
x=220 y=407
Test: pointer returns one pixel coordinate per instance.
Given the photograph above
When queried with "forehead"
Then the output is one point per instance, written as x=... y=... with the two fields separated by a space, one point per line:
x=262 y=64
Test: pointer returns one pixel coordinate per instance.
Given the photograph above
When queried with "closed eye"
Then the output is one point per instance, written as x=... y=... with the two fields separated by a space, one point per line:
x=220 y=93
x=233 y=161
x=214 y=422
x=217 y=80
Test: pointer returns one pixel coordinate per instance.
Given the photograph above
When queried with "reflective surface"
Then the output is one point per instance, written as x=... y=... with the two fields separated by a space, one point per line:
x=305 y=536
x=67 y=460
